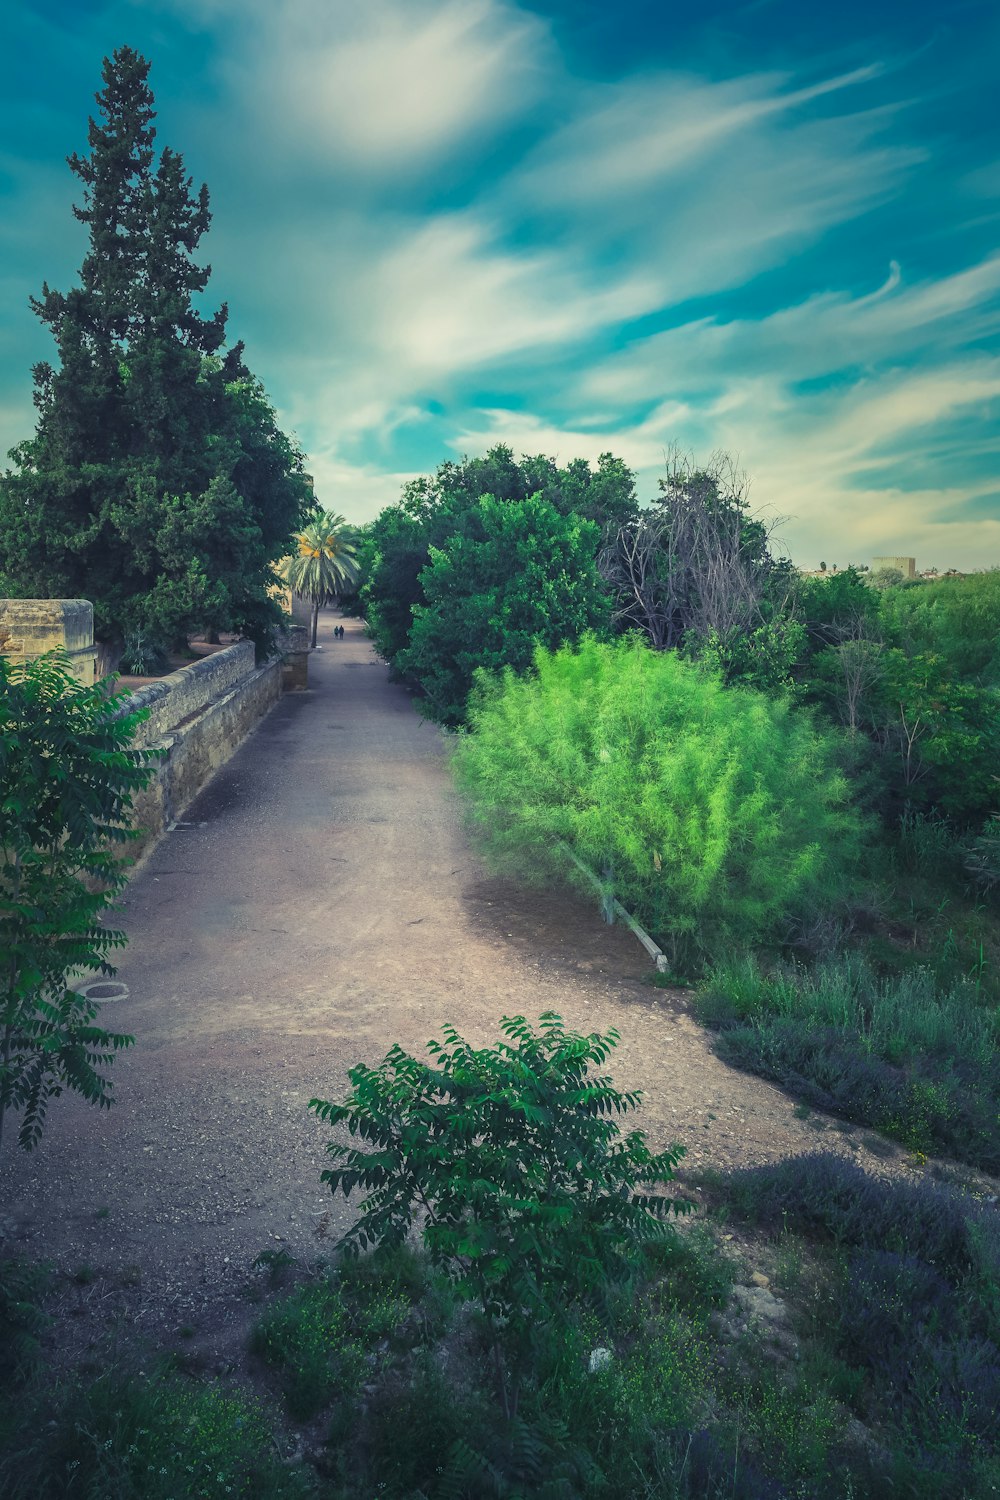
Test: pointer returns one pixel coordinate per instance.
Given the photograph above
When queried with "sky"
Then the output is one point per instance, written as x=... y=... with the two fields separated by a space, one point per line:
x=766 y=228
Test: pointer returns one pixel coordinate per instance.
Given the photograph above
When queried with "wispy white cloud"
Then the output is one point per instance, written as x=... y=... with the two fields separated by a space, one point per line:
x=710 y=183
x=416 y=204
x=382 y=307
x=387 y=88
x=451 y=298
x=812 y=460
x=821 y=335
x=636 y=135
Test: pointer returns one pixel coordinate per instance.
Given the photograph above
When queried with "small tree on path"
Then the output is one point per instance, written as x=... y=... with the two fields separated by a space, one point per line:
x=67 y=777
x=531 y=1196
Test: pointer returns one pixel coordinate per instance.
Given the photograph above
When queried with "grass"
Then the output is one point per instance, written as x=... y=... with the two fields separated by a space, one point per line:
x=901 y=1054
x=323 y=1338
x=126 y=1436
x=907 y=1327
x=894 y=1296
x=22 y=1317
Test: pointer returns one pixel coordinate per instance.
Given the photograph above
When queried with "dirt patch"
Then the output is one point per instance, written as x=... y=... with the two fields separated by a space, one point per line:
x=555 y=930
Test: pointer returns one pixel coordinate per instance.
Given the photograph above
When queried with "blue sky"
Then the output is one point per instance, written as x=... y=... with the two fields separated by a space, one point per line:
x=572 y=227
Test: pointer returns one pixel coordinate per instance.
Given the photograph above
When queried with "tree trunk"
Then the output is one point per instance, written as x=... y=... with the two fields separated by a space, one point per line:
x=315 y=620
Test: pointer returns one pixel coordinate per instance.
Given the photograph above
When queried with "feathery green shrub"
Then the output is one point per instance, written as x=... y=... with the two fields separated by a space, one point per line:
x=714 y=813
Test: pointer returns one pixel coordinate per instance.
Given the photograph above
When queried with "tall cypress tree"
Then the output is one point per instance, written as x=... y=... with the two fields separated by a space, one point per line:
x=157 y=483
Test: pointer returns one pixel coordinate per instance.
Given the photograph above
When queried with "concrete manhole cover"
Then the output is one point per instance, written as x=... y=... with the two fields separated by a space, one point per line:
x=103 y=990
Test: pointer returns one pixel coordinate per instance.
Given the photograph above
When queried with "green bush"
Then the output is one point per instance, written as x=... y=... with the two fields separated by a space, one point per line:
x=125 y=1437
x=916 y=1062
x=534 y=1199
x=321 y=1342
x=914 y=673
x=67 y=778
x=714 y=813
x=515 y=577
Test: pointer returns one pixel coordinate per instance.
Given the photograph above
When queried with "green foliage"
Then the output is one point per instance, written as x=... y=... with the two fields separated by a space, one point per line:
x=655 y=1422
x=310 y=1338
x=157 y=483
x=916 y=670
x=142 y=655
x=22 y=1318
x=533 y=1197
x=520 y=576
x=927 y=843
x=127 y=1437
x=940 y=735
x=831 y=606
x=894 y=1323
x=67 y=776
x=438 y=509
x=916 y=1062
x=715 y=812
x=982 y=856
x=957 y=619
x=761 y=658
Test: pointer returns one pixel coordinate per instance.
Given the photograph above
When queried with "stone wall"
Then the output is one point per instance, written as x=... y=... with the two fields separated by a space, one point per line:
x=295 y=653
x=30 y=627
x=199 y=716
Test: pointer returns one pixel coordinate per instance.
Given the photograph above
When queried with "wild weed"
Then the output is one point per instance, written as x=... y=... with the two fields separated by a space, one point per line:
x=914 y=1060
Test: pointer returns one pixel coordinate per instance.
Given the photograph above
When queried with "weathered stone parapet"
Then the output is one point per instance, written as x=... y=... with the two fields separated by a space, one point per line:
x=197 y=717
x=31 y=627
x=294 y=647
x=190 y=690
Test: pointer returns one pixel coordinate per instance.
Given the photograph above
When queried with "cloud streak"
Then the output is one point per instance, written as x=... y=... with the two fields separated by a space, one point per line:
x=434 y=235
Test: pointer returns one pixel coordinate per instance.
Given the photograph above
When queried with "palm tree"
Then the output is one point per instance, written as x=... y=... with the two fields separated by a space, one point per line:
x=325 y=562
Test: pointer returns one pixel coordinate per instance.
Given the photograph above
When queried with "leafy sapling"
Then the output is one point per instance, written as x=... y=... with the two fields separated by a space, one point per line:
x=530 y=1196
x=67 y=777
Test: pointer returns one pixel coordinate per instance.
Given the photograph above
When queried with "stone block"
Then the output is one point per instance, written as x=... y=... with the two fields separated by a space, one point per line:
x=31 y=627
x=294 y=646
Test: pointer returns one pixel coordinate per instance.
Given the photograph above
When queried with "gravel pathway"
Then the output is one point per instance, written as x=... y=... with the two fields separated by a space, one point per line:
x=319 y=902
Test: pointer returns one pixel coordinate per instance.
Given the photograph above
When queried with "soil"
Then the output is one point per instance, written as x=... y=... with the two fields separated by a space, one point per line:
x=318 y=902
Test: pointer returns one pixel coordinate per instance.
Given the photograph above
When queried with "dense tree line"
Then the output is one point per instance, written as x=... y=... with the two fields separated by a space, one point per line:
x=706 y=768
x=489 y=558
x=485 y=559
x=157 y=483
x=912 y=672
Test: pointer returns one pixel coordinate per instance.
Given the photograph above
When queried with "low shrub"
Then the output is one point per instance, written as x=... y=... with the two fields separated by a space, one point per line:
x=510 y=1158
x=125 y=1437
x=320 y=1343
x=832 y=1198
x=915 y=1285
x=918 y=1062
x=714 y=813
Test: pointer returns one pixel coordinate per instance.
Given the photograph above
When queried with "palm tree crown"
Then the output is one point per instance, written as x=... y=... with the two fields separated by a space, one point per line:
x=325 y=562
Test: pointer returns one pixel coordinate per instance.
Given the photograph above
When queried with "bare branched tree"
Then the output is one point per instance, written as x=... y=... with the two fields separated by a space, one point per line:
x=636 y=564
x=696 y=560
x=860 y=661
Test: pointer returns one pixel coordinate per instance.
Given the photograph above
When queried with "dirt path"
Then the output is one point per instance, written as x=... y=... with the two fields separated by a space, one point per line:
x=320 y=903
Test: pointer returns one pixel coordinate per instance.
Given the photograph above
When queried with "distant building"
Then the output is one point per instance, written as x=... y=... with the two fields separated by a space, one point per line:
x=905 y=565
